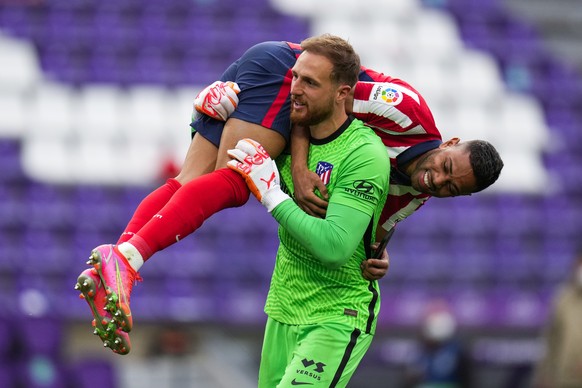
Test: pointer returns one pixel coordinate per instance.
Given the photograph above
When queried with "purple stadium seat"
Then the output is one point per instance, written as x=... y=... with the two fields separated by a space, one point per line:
x=241 y=302
x=49 y=207
x=510 y=306
x=470 y=216
x=556 y=259
x=469 y=304
x=8 y=375
x=470 y=263
x=562 y=214
x=10 y=165
x=188 y=300
x=514 y=260
x=40 y=371
x=403 y=306
x=191 y=257
x=93 y=372
x=98 y=208
x=517 y=215
x=423 y=259
x=41 y=336
x=7 y=340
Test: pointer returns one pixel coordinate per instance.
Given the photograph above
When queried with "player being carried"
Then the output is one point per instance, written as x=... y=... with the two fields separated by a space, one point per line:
x=256 y=105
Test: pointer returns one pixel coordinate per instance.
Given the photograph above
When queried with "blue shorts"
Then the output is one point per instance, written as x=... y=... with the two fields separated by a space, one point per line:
x=263 y=74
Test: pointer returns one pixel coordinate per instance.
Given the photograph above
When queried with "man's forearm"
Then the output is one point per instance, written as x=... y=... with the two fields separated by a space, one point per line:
x=299 y=148
x=332 y=240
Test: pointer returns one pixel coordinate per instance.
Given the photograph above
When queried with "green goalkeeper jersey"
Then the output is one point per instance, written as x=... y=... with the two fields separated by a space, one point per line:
x=309 y=285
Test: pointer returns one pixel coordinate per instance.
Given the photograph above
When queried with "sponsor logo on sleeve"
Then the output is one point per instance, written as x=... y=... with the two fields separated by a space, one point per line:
x=388 y=94
x=362 y=189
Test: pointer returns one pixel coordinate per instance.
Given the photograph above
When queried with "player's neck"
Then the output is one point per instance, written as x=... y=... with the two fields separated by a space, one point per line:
x=328 y=126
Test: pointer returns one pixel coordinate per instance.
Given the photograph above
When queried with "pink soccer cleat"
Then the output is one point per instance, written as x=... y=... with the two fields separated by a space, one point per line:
x=107 y=288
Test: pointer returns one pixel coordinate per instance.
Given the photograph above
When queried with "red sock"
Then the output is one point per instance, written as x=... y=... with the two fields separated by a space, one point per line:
x=149 y=206
x=189 y=207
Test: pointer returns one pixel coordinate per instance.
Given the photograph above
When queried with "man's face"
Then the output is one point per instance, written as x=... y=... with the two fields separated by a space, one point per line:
x=445 y=171
x=312 y=91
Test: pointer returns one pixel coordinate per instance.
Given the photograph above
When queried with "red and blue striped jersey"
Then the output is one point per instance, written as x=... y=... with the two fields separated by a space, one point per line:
x=401 y=118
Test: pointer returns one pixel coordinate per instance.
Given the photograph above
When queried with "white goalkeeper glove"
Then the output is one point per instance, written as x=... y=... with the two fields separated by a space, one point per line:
x=259 y=171
x=218 y=100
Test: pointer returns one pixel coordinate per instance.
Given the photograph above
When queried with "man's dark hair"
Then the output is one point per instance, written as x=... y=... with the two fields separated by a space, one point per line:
x=485 y=162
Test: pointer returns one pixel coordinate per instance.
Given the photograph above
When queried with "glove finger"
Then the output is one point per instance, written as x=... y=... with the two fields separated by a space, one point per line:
x=234 y=86
x=233 y=165
x=252 y=148
x=237 y=154
x=227 y=105
x=242 y=168
x=221 y=111
x=247 y=146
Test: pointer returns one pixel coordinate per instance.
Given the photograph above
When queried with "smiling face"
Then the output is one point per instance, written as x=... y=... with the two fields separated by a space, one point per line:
x=444 y=172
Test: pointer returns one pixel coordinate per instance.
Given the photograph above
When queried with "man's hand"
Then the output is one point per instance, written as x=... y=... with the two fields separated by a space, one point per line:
x=260 y=172
x=218 y=100
x=375 y=269
x=305 y=183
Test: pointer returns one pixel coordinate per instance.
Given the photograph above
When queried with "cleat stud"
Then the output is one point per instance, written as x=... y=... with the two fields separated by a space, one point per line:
x=77 y=286
x=81 y=296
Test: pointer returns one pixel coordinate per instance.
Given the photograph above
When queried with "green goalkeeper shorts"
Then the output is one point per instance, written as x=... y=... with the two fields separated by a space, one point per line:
x=321 y=355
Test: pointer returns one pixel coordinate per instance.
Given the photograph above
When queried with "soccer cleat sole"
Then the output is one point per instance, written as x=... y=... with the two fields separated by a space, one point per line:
x=104 y=327
x=120 y=312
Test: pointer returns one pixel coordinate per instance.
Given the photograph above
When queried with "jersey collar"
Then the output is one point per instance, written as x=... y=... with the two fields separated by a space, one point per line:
x=334 y=135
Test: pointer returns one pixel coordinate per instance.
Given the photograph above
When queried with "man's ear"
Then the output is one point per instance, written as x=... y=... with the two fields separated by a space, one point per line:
x=451 y=142
x=344 y=91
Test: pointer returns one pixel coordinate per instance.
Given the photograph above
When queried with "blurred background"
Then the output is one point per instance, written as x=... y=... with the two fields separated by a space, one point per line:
x=95 y=105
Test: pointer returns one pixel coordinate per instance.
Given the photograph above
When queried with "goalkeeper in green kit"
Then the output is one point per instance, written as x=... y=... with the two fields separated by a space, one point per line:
x=321 y=311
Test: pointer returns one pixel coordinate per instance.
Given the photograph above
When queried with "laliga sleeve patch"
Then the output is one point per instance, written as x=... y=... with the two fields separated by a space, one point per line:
x=391 y=96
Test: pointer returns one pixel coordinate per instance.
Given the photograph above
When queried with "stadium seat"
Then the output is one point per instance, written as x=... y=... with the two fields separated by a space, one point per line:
x=41 y=336
x=468 y=303
x=510 y=306
x=8 y=375
x=93 y=372
x=40 y=371
x=242 y=302
x=20 y=65
x=404 y=305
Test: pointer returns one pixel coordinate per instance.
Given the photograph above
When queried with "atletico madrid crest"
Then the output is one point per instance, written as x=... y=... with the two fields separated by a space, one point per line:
x=324 y=171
